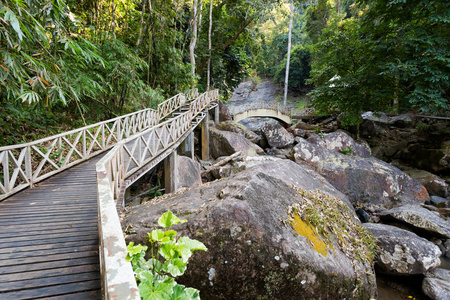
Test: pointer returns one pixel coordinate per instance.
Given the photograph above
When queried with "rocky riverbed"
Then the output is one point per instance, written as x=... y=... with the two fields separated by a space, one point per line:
x=307 y=213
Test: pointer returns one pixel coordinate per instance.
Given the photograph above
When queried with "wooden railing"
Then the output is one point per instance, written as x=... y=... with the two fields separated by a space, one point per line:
x=167 y=107
x=126 y=158
x=23 y=165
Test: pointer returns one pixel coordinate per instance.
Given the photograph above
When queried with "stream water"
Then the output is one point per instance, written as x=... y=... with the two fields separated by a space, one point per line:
x=389 y=287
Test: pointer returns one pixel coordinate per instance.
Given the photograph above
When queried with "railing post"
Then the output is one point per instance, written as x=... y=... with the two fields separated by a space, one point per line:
x=171 y=172
x=28 y=168
x=6 y=171
x=84 y=143
x=205 y=138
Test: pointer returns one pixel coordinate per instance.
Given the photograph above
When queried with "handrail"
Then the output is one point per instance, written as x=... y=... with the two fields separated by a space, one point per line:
x=127 y=157
x=25 y=164
x=264 y=105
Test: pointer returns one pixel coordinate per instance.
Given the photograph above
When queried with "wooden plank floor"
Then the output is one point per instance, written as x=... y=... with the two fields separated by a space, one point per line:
x=49 y=239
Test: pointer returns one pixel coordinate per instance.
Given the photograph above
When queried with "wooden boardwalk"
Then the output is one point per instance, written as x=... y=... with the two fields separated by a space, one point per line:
x=49 y=239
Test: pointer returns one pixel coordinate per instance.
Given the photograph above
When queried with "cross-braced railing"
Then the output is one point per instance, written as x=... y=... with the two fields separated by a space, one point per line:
x=26 y=164
x=126 y=158
x=167 y=107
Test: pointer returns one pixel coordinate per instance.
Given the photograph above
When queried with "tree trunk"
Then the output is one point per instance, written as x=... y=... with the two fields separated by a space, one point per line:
x=193 y=41
x=288 y=60
x=208 y=80
x=200 y=17
x=140 y=27
x=113 y=20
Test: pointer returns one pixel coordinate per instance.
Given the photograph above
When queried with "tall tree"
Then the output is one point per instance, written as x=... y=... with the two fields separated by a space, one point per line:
x=193 y=40
x=288 y=60
x=209 y=45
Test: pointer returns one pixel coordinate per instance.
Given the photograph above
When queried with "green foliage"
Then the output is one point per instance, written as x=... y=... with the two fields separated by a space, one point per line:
x=169 y=259
x=346 y=151
x=300 y=68
x=395 y=56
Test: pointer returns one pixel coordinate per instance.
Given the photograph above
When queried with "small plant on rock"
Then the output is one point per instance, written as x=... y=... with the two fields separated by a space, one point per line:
x=347 y=151
x=169 y=259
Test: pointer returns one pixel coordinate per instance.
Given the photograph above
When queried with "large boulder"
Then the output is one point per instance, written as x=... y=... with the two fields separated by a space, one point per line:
x=341 y=142
x=402 y=121
x=224 y=112
x=402 y=252
x=368 y=182
x=277 y=136
x=419 y=218
x=188 y=172
x=436 y=284
x=373 y=124
x=259 y=247
x=434 y=184
x=239 y=129
x=225 y=143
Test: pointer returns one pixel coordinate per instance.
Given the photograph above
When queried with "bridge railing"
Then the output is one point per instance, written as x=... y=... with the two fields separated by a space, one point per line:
x=23 y=165
x=26 y=164
x=167 y=107
x=127 y=157
x=264 y=105
x=192 y=94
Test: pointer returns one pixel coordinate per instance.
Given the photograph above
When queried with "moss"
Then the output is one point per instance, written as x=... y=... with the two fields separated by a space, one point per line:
x=304 y=229
x=325 y=221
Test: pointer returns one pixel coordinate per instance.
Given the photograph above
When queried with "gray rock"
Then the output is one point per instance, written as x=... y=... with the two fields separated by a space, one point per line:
x=188 y=172
x=299 y=132
x=440 y=202
x=224 y=112
x=402 y=252
x=239 y=129
x=373 y=124
x=420 y=219
x=401 y=121
x=239 y=220
x=256 y=124
x=277 y=136
x=225 y=143
x=447 y=248
x=340 y=141
x=436 y=284
x=366 y=181
x=377 y=117
x=435 y=185
x=228 y=170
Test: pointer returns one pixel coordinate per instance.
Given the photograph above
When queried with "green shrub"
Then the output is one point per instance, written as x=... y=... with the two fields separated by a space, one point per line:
x=169 y=259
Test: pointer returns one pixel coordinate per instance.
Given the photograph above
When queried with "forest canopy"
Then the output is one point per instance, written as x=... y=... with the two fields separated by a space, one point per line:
x=64 y=64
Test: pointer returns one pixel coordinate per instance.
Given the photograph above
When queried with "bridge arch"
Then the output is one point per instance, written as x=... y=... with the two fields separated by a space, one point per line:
x=264 y=109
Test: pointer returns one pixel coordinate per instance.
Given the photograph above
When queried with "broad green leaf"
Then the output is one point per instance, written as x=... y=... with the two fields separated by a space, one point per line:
x=184 y=251
x=180 y=292
x=167 y=250
x=168 y=219
x=156 y=235
x=193 y=294
x=157 y=289
x=170 y=233
x=192 y=244
x=175 y=267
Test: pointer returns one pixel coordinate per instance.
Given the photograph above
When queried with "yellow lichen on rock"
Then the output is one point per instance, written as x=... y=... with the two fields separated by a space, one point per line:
x=304 y=229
